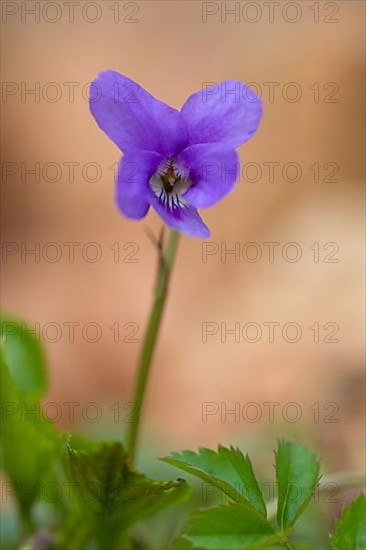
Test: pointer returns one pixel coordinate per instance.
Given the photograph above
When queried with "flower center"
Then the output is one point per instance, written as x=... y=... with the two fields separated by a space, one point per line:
x=169 y=184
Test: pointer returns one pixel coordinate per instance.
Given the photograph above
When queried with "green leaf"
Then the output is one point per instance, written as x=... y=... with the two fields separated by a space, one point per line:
x=227 y=469
x=29 y=444
x=231 y=527
x=182 y=544
x=351 y=527
x=24 y=356
x=297 y=473
x=116 y=495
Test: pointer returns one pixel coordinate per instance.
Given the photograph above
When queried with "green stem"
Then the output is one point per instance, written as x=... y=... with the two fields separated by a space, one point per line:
x=150 y=339
x=288 y=544
x=344 y=479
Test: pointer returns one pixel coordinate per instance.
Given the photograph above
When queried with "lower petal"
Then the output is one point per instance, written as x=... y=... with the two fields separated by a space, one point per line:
x=133 y=207
x=184 y=218
x=213 y=170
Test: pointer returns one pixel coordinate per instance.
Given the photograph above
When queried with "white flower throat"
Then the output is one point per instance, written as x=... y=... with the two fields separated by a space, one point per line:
x=169 y=184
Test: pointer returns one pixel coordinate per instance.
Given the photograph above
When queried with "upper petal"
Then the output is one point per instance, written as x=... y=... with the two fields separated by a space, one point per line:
x=228 y=112
x=133 y=118
x=213 y=169
x=132 y=190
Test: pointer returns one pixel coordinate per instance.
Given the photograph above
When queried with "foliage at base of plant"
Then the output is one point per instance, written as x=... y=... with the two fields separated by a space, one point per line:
x=93 y=497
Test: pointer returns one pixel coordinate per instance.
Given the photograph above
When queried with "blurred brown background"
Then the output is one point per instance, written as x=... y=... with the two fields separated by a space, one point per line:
x=169 y=50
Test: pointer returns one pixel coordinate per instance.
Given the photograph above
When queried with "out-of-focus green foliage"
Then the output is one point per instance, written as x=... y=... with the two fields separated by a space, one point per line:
x=297 y=473
x=243 y=525
x=75 y=494
x=351 y=527
x=232 y=527
x=227 y=469
x=113 y=495
x=24 y=356
x=30 y=447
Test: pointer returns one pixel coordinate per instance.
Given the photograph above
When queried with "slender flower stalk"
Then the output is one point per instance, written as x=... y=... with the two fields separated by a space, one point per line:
x=288 y=544
x=166 y=262
x=175 y=162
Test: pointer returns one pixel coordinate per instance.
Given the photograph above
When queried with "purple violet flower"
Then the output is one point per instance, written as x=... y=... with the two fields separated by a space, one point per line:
x=174 y=161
